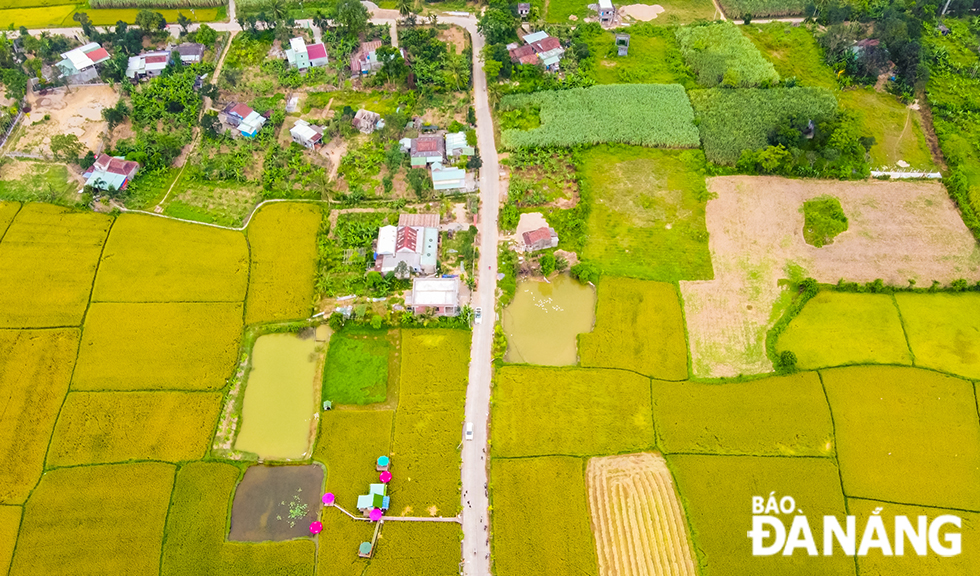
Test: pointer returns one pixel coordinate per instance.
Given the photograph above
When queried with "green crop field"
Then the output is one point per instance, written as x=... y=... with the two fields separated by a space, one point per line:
x=9 y=525
x=794 y=53
x=356 y=370
x=717 y=493
x=150 y=259
x=35 y=369
x=49 y=256
x=720 y=55
x=429 y=420
x=411 y=548
x=95 y=520
x=737 y=9
x=106 y=427
x=196 y=524
x=540 y=514
x=789 y=416
x=654 y=57
x=839 y=329
x=943 y=331
x=348 y=444
x=910 y=563
x=136 y=346
x=647 y=213
x=906 y=435
x=639 y=326
x=735 y=120
x=282 y=239
x=570 y=411
x=568 y=117
x=57 y=14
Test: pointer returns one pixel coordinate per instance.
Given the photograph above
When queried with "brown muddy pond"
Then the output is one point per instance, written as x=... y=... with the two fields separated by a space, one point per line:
x=276 y=503
x=544 y=319
x=281 y=397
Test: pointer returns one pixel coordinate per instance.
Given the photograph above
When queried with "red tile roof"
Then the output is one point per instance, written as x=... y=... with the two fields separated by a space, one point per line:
x=316 y=51
x=98 y=55
x=549 y=43
x=157 y=59
x=428 y=144
x=520 y=53
x=406 y=239
x=112 y=165
x=534 y=236
x=242 y=110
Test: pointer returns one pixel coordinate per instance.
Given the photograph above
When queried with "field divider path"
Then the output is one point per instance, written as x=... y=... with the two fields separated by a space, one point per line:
x=455 y=519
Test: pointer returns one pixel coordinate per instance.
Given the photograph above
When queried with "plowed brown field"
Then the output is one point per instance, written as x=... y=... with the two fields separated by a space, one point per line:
x=637 y=519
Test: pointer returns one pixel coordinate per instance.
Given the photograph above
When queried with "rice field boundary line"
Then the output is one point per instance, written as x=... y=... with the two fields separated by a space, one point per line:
x=905 y=331
x=455 y=519
x=219 y=226
x=906 y=504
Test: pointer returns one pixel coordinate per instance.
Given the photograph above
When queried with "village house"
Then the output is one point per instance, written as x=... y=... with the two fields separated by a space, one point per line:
x=301 y=56
x=190 y=52
x=242 y=117
x=540 y=48
x=456 y=145
x=606 y=12
x=438 y=295
x=110 y=172
x=80 y=63
x=147 y=65
x=523 y=9
x=426 y=150
x=306 y=135
x=416 y=246
x=364 y=60
x=367 y=121
x=445 y=179
x=540 y=239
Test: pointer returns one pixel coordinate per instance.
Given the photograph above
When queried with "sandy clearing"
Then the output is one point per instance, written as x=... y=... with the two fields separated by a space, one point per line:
x=78 y=113
x=641 y=12
x=637 y=518
x=898 y=231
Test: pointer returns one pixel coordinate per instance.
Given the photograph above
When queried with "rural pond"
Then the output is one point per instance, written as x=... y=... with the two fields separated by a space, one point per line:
x=543 y=321
x=276 y=503
x=280 y=398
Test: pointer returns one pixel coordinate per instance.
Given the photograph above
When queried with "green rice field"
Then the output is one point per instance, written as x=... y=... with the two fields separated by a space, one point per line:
x=356 y=369
x=57 y=14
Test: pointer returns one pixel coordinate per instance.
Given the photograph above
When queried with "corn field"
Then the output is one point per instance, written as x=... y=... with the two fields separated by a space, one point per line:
x=759 y=8
x=720 y=54
x=657 y=115
x=150 y=4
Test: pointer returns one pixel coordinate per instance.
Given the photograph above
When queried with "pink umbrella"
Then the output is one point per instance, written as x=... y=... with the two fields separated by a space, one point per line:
x=316 y=528
x=328 y=499
x=376 y=514
x=386 y=476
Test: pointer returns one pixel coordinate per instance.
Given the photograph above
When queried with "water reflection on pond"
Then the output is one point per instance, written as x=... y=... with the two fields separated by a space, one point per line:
x=543 y=320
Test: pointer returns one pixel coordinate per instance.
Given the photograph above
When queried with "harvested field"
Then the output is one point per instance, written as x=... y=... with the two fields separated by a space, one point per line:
x=906 y=435
x=78 y=112
x=637 y=517
x=718 y=490
x=150 y=259
x=196 y=531
x=107 y=427
x=282 y=239
x=910 y=563
x=898 y=231
x=351 y=466
x=540 y=512
x=179 y=346
x=789 y=416
x=570 y=411
x=639 y=326
x=35 y=369
x=9 y=525
x=95 y=520
x=411 y=549
x=839 y=328
x=943 y=331
x=428 y=423
x=49 y=256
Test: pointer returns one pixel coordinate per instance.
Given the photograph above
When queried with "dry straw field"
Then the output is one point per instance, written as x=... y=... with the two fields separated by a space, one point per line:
x=637 y=518
x=898 y=231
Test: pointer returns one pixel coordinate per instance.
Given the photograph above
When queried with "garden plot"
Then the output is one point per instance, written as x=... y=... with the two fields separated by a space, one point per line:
x=637 y=517
x=898 y=231
x=78 y=112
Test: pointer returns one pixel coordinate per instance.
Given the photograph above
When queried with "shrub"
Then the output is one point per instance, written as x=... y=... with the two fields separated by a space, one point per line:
x=824 y=219
x=787 y=360
x=586 y=272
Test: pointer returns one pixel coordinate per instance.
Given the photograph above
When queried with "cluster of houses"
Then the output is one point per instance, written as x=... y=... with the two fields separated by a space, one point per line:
x=152 y=64
x=243 y=118
x=79 y=64
x=435 y=151
x=538 y=48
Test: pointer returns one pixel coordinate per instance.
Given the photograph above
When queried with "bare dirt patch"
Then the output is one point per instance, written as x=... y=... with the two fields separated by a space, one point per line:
x=78 y=113
x=333 y=151
x=637 y=518
x=897 y=231
x=641 y=12
x=455 y=36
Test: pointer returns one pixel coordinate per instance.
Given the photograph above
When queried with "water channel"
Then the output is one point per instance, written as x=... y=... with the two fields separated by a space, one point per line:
x=544 y=319
x=280 y=398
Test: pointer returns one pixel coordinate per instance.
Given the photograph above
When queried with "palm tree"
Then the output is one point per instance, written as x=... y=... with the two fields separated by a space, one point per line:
x=276 y=10
x=455 y=66
x=405 y=7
